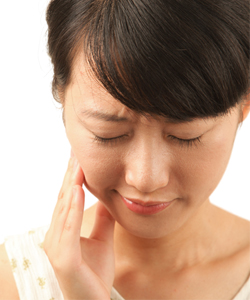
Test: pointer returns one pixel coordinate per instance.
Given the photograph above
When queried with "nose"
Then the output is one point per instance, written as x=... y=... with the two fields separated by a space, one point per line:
x=148 y=168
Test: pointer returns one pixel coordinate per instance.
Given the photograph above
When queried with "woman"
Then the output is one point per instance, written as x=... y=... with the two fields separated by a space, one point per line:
x=153 y=93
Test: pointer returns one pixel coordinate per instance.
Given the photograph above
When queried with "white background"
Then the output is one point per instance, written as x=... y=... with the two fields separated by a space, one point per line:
x=34 y=148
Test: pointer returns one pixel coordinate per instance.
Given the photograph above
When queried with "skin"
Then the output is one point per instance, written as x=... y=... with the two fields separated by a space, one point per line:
x=148 y=165
x=139 y=254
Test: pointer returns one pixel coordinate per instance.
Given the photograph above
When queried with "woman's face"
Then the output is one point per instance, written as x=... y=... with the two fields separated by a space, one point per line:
x=149 y=161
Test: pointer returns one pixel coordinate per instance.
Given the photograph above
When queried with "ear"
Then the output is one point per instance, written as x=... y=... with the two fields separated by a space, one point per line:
x=245 y=107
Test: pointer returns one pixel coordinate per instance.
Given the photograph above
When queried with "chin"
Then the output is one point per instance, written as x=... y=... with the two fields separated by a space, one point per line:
x=145 y=229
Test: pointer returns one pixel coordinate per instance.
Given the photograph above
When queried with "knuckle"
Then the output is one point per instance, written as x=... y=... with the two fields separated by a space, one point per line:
x=72 y=180
x=60 y=195
x=68 y=226
x=73 y=206
x=62 y=209
x=57 y=263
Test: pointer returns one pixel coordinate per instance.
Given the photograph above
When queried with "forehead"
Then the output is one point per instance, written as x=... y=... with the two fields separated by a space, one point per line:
x=86 y=90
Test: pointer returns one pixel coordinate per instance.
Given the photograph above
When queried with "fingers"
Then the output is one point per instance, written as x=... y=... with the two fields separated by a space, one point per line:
x=72 y=227
x=74 y=176
x=72 y=154
x=103 y=229
x=72 y=165
x=66 y=177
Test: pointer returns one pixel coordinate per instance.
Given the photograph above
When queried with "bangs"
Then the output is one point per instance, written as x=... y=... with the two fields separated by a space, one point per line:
x=178 y=59
x=179 y=68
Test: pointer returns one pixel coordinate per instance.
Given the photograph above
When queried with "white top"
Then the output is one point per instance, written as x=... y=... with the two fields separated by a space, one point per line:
x=35 y=277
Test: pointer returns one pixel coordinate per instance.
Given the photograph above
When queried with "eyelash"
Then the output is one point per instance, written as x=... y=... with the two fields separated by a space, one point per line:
x=182 y=142
x=187 y=143
x=108 y=141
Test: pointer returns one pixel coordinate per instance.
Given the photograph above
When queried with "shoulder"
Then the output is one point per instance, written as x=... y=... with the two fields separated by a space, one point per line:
x=236 y=241
x=244 y=242
x=8 y=289
x=234 y=232
x=241 y=230
x=237 y=248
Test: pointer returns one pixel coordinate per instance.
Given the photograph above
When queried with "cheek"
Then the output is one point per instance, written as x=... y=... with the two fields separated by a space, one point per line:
x=101 y=166
x=202 y=171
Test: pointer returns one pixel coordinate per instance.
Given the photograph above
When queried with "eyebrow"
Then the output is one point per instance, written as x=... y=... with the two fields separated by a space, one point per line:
x=114 y=118
x=103 y=116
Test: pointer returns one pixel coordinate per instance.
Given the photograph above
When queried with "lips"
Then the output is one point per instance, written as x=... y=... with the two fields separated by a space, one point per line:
x=145 y=203
x=150 y=208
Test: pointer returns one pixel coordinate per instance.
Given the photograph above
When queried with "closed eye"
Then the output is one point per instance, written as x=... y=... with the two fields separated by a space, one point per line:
x=186 y=142
x=182 y=142
x=112 y=140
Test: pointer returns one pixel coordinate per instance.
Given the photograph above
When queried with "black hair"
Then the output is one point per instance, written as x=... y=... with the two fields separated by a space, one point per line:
x=182 y=59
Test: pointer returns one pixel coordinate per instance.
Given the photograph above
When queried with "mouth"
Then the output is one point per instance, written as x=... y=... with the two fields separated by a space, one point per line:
x=146 y=203
x=145 y=208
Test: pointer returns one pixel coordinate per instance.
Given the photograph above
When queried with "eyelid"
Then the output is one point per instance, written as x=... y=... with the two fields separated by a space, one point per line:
x=192 y=139
x=109 y=140
x=187 y=142
x=182 y=142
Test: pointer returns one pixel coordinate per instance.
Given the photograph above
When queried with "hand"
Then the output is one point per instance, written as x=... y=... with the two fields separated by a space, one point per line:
x=84 y=267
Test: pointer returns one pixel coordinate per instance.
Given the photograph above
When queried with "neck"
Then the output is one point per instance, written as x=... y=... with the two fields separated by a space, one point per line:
x=194 y=242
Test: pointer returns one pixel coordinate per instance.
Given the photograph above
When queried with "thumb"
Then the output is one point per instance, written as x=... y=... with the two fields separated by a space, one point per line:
x=103 y=229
